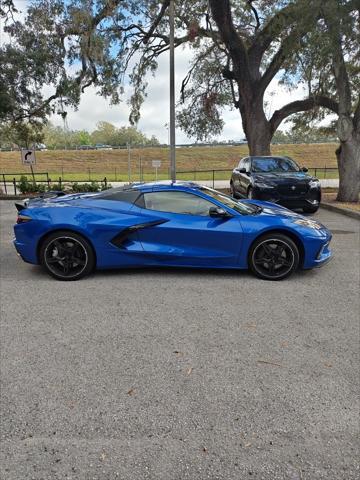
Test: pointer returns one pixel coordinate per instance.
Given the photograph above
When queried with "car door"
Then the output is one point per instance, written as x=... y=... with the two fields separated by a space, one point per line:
x=188 y=235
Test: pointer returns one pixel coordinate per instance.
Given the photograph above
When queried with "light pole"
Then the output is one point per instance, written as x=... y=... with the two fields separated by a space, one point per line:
x=172 y=94
x=129 y=162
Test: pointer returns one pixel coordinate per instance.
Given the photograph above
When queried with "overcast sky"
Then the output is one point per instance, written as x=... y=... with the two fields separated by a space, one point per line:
x=155 y=110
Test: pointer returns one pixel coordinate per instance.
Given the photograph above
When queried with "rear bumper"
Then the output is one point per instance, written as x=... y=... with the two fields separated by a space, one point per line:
x=26 y=252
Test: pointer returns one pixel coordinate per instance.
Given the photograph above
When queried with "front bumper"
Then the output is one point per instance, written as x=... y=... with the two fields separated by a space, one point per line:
x=310 y=198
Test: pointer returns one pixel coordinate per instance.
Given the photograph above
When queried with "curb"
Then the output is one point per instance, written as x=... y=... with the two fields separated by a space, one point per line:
x=13 y=197
x=344 y=211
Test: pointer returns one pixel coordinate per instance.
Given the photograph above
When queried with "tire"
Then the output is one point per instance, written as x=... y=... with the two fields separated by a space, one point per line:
x=277 y=264
x=311 y=209
x=250 y=193
x=66 y=255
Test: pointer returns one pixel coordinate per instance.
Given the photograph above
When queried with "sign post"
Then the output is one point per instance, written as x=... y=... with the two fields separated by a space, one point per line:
x=156 y=164
x=28 y=158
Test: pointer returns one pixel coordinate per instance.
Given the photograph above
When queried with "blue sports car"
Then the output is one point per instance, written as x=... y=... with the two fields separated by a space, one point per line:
x=180 y=224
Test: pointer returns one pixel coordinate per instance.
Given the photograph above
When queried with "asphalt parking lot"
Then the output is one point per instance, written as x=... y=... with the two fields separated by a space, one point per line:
x=175 y=374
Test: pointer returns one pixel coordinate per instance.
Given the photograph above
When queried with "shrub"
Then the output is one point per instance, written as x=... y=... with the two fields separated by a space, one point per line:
x=57 y=187
x=30 y=187
x=85 y=187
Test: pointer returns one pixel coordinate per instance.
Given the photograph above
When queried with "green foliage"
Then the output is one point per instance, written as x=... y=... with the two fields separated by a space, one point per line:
x=56 y=187
x=306 y=133
x=22 y=134
x=85 y=187
x=26 y=186
x=99 y=40
x=105 y=133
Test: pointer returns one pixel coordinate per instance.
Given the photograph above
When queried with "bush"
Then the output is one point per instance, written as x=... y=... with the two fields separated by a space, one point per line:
x=57 y=187
x=29 y=187
x=85 y=187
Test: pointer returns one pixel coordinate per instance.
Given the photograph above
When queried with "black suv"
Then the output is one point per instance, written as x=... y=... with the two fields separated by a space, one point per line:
x=276 y=179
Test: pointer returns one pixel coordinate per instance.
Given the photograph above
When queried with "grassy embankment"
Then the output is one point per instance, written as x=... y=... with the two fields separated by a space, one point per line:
x=88 y=165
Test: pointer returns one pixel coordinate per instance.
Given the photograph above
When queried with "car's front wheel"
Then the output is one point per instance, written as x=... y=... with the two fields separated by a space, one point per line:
x=66 y=255
x=274 y=257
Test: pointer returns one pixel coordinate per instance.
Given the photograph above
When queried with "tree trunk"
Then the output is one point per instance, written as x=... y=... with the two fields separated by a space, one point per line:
x=257 y=129
x=348 y=158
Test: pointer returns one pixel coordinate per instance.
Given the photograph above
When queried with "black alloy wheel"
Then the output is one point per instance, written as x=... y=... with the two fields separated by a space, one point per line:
x=274 y=257
x=67 y=256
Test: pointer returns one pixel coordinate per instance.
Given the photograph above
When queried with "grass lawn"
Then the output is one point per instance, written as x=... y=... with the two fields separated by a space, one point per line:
x=96 y=164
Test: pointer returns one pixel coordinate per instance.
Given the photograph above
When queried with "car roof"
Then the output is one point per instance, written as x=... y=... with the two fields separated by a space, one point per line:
x=133 y=190
x=160 y=185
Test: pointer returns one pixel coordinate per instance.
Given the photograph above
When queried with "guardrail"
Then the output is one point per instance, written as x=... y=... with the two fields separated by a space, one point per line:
x=10 y=181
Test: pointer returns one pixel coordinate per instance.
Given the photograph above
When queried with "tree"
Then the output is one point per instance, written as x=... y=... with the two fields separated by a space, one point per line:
x=22 y=134
x=329 y=64
x=239 y=47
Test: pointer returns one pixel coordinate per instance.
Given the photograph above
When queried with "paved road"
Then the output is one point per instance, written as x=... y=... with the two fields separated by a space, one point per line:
x=163 y=375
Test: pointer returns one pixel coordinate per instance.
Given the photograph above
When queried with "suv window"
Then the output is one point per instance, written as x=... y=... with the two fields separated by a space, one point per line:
x=177 y=202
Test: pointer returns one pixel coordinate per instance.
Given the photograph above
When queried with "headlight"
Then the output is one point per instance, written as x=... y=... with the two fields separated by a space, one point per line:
x=263 y=185
x=305 y=222
x=314 y=183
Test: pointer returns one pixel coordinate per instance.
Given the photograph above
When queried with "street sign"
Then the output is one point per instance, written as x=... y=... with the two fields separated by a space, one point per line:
x=28 y=156
x=156 y=163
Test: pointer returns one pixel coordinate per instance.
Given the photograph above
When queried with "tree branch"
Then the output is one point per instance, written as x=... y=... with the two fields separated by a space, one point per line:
x=256 y=15
x=153 y=27
x=221 y=12
x=302 y=106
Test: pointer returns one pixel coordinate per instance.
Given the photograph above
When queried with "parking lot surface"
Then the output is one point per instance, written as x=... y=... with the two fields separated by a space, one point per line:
x=181 y=374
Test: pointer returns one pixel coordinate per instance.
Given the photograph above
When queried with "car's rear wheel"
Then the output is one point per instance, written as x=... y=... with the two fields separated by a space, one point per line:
x=311 y=209
x=67 y=256
x=274 y=257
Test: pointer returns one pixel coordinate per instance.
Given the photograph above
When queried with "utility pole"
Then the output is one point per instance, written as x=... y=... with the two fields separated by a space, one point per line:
x=129 y=162
x=172 y=94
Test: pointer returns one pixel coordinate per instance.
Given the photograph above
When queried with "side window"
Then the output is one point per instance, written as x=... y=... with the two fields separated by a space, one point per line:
x=247 y=164
x=177 y=202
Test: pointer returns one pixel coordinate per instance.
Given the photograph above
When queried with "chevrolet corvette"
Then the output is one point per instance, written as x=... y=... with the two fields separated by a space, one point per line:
x=179 y=224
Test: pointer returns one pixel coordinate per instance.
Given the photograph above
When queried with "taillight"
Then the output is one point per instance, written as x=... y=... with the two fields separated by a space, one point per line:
x=23 y=219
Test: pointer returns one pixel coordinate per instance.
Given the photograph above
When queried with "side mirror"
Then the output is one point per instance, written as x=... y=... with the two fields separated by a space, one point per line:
x=242 y=170
x=217 y=212
x=304 y=169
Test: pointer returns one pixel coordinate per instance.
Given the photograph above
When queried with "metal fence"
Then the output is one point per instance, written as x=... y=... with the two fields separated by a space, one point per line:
x=214 y=177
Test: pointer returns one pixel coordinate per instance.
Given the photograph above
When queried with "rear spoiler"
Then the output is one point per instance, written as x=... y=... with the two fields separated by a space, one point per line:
x=20 y=206
x=50 y=194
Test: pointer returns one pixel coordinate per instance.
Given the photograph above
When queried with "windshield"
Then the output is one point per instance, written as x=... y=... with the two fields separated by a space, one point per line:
x=273 y=164
x=241 y=207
